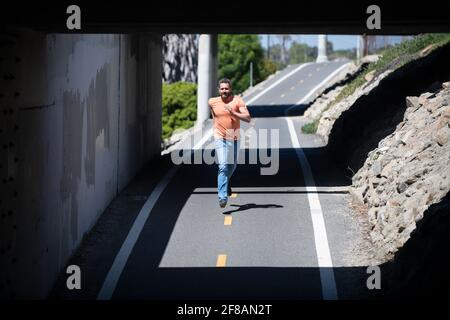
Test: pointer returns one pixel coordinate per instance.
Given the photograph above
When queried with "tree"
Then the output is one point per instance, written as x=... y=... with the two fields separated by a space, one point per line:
x=275 y=56
x=312 y=53
x=235 y=54
x=284 y=56
x=329 y=47
x=298 y=53
x=179 y=107
x=347 y=53
x=269 y=67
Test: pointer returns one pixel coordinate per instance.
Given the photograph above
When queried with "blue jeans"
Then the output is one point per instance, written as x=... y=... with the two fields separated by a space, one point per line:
x=227 y=154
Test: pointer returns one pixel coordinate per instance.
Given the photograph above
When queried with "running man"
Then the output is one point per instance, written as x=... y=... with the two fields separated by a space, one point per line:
x=227 y=110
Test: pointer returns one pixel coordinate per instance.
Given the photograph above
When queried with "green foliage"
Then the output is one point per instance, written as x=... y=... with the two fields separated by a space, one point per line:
x=310 y=127
x=301 y=53
x=268 y=67
x=411 y=47
x=275 y=56
x=395 y=57
x=179 y=107
x=343 y=53
x=235 y=54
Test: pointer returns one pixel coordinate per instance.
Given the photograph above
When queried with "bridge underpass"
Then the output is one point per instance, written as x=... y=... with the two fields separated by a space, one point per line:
x=65 y=178
x=264 y=238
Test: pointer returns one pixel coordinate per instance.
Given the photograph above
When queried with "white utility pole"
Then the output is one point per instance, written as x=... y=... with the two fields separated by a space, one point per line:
x=322 y=48
x=359 y=48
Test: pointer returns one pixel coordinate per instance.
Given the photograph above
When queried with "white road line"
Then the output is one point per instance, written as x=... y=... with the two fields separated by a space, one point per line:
x=194 y=133
x=325 y=263
x=327 y=280
x=313 y=90
x=203 y=140
x=321 y=84
x=277 y=82
x=121 y=259
x=110 y=283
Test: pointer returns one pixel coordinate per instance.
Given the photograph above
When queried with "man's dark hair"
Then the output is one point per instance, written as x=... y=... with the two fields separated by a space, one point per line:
x=225 y=80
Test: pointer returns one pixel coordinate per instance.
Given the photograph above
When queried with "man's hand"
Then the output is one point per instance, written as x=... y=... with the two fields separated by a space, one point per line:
x=229 y=108
x=241 y=115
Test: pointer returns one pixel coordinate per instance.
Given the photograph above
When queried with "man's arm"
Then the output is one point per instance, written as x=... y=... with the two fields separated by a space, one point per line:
x=243 y=113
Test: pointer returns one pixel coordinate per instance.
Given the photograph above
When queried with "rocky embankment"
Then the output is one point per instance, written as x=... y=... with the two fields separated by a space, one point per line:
x=420 y=268
x=335 y=86
x=330 y=115
x=407 y=172
x=319 y=110
x=378 y=111
x=393 y=135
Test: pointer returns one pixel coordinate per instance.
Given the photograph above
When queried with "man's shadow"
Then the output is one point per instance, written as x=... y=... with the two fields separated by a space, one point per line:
x=249 y=206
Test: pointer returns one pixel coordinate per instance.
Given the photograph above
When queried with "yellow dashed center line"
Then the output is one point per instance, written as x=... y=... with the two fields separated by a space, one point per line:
x=228 y=220
x=221 y=260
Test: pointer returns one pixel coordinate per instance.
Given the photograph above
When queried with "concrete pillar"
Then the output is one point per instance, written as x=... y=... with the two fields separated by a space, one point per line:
x=214 y=66
x=359 y=48
x=207 y=75
x=322 y=48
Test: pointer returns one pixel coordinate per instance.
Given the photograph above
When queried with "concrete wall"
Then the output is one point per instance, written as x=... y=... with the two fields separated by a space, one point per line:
x=86 y=117
x=141 y=96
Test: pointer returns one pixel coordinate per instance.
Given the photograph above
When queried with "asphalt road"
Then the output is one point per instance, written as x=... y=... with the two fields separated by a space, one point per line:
x=281 y=236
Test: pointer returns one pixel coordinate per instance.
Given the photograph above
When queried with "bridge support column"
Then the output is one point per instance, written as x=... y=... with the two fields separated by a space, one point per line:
x=207 y=75
x=322 y=48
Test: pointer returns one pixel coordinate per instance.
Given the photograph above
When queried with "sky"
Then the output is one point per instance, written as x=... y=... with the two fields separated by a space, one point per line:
x=340 y=42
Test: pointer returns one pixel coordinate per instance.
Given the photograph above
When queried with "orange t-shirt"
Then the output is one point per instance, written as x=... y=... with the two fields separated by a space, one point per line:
x=225 y=125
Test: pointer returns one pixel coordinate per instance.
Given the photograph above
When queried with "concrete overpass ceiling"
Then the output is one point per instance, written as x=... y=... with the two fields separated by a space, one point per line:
x=302 y=17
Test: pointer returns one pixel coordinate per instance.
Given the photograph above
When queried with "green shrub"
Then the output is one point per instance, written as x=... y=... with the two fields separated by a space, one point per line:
x=395 y=57
x=311 y=127
x=179 y=107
